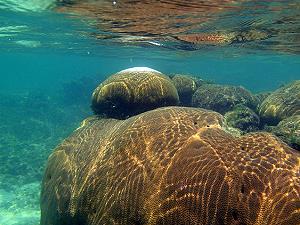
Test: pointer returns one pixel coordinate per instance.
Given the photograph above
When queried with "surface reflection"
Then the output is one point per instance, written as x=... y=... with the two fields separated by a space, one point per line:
x=268 y=24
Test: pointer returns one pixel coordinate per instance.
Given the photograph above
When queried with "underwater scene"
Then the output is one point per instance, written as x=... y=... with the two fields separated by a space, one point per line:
x=150 y=112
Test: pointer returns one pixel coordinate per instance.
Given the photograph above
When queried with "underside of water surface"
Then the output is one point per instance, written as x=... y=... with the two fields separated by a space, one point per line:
x=54 y=53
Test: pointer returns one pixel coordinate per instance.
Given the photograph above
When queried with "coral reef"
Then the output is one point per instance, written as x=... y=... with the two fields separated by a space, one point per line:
x=262 y=96
x=166 y=166
x=143 y=167
x=222 y=98
x=186 y=87
x=281 y=104
x=132 y=91
x=243 y=118
x=289 y=131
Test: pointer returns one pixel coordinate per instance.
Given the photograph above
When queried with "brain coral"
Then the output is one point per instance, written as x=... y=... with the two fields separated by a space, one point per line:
x=133 y=91
x=186 y=87
x=282 y=103
x=243 y=118
x=172 y=165
x=222 y=98
x=289 y=131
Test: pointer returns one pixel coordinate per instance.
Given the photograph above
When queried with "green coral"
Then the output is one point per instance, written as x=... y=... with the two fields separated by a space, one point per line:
x=289 y=131
x=281 y=104
x=243 y=118
x=186 y=87
x=262 y=96
x=222 y=98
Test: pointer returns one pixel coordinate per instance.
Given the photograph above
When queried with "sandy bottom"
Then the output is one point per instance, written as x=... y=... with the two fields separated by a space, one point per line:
x=20 y=206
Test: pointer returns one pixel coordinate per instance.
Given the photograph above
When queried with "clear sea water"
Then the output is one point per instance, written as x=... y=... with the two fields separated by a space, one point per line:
x=53 y=54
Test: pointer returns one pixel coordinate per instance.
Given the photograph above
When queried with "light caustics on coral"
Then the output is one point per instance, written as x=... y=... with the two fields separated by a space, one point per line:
x=146 y=161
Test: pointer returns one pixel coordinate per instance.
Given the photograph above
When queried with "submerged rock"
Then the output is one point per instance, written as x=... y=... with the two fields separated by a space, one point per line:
x=222 y=98
x=171 y=165
x=133 y=91
x=243 y=118
x=186 y=87
x=281 y=104
x=289 y=131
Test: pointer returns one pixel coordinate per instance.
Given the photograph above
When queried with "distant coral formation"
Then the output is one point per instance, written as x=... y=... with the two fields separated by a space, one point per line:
x=222 y=98
x=130 y=164
x=186 y=87
x=243 y=118
x=289 y=131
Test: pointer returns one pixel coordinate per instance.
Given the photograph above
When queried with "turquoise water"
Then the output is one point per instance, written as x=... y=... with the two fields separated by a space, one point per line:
x=51 y=61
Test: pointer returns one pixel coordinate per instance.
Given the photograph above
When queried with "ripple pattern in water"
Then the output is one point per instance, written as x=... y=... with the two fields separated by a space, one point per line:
x=253 y=24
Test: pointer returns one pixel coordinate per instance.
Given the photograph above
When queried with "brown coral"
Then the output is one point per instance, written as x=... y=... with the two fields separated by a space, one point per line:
x=171 y=165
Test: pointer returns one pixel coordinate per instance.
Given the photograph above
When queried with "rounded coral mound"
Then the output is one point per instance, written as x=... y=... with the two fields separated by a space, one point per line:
x=222 y=98
x=172 y=165
x=282 y=103
x=133 y=91
x=243 y=118
x=186 y=87
x=262 y=96
x=289 y=131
